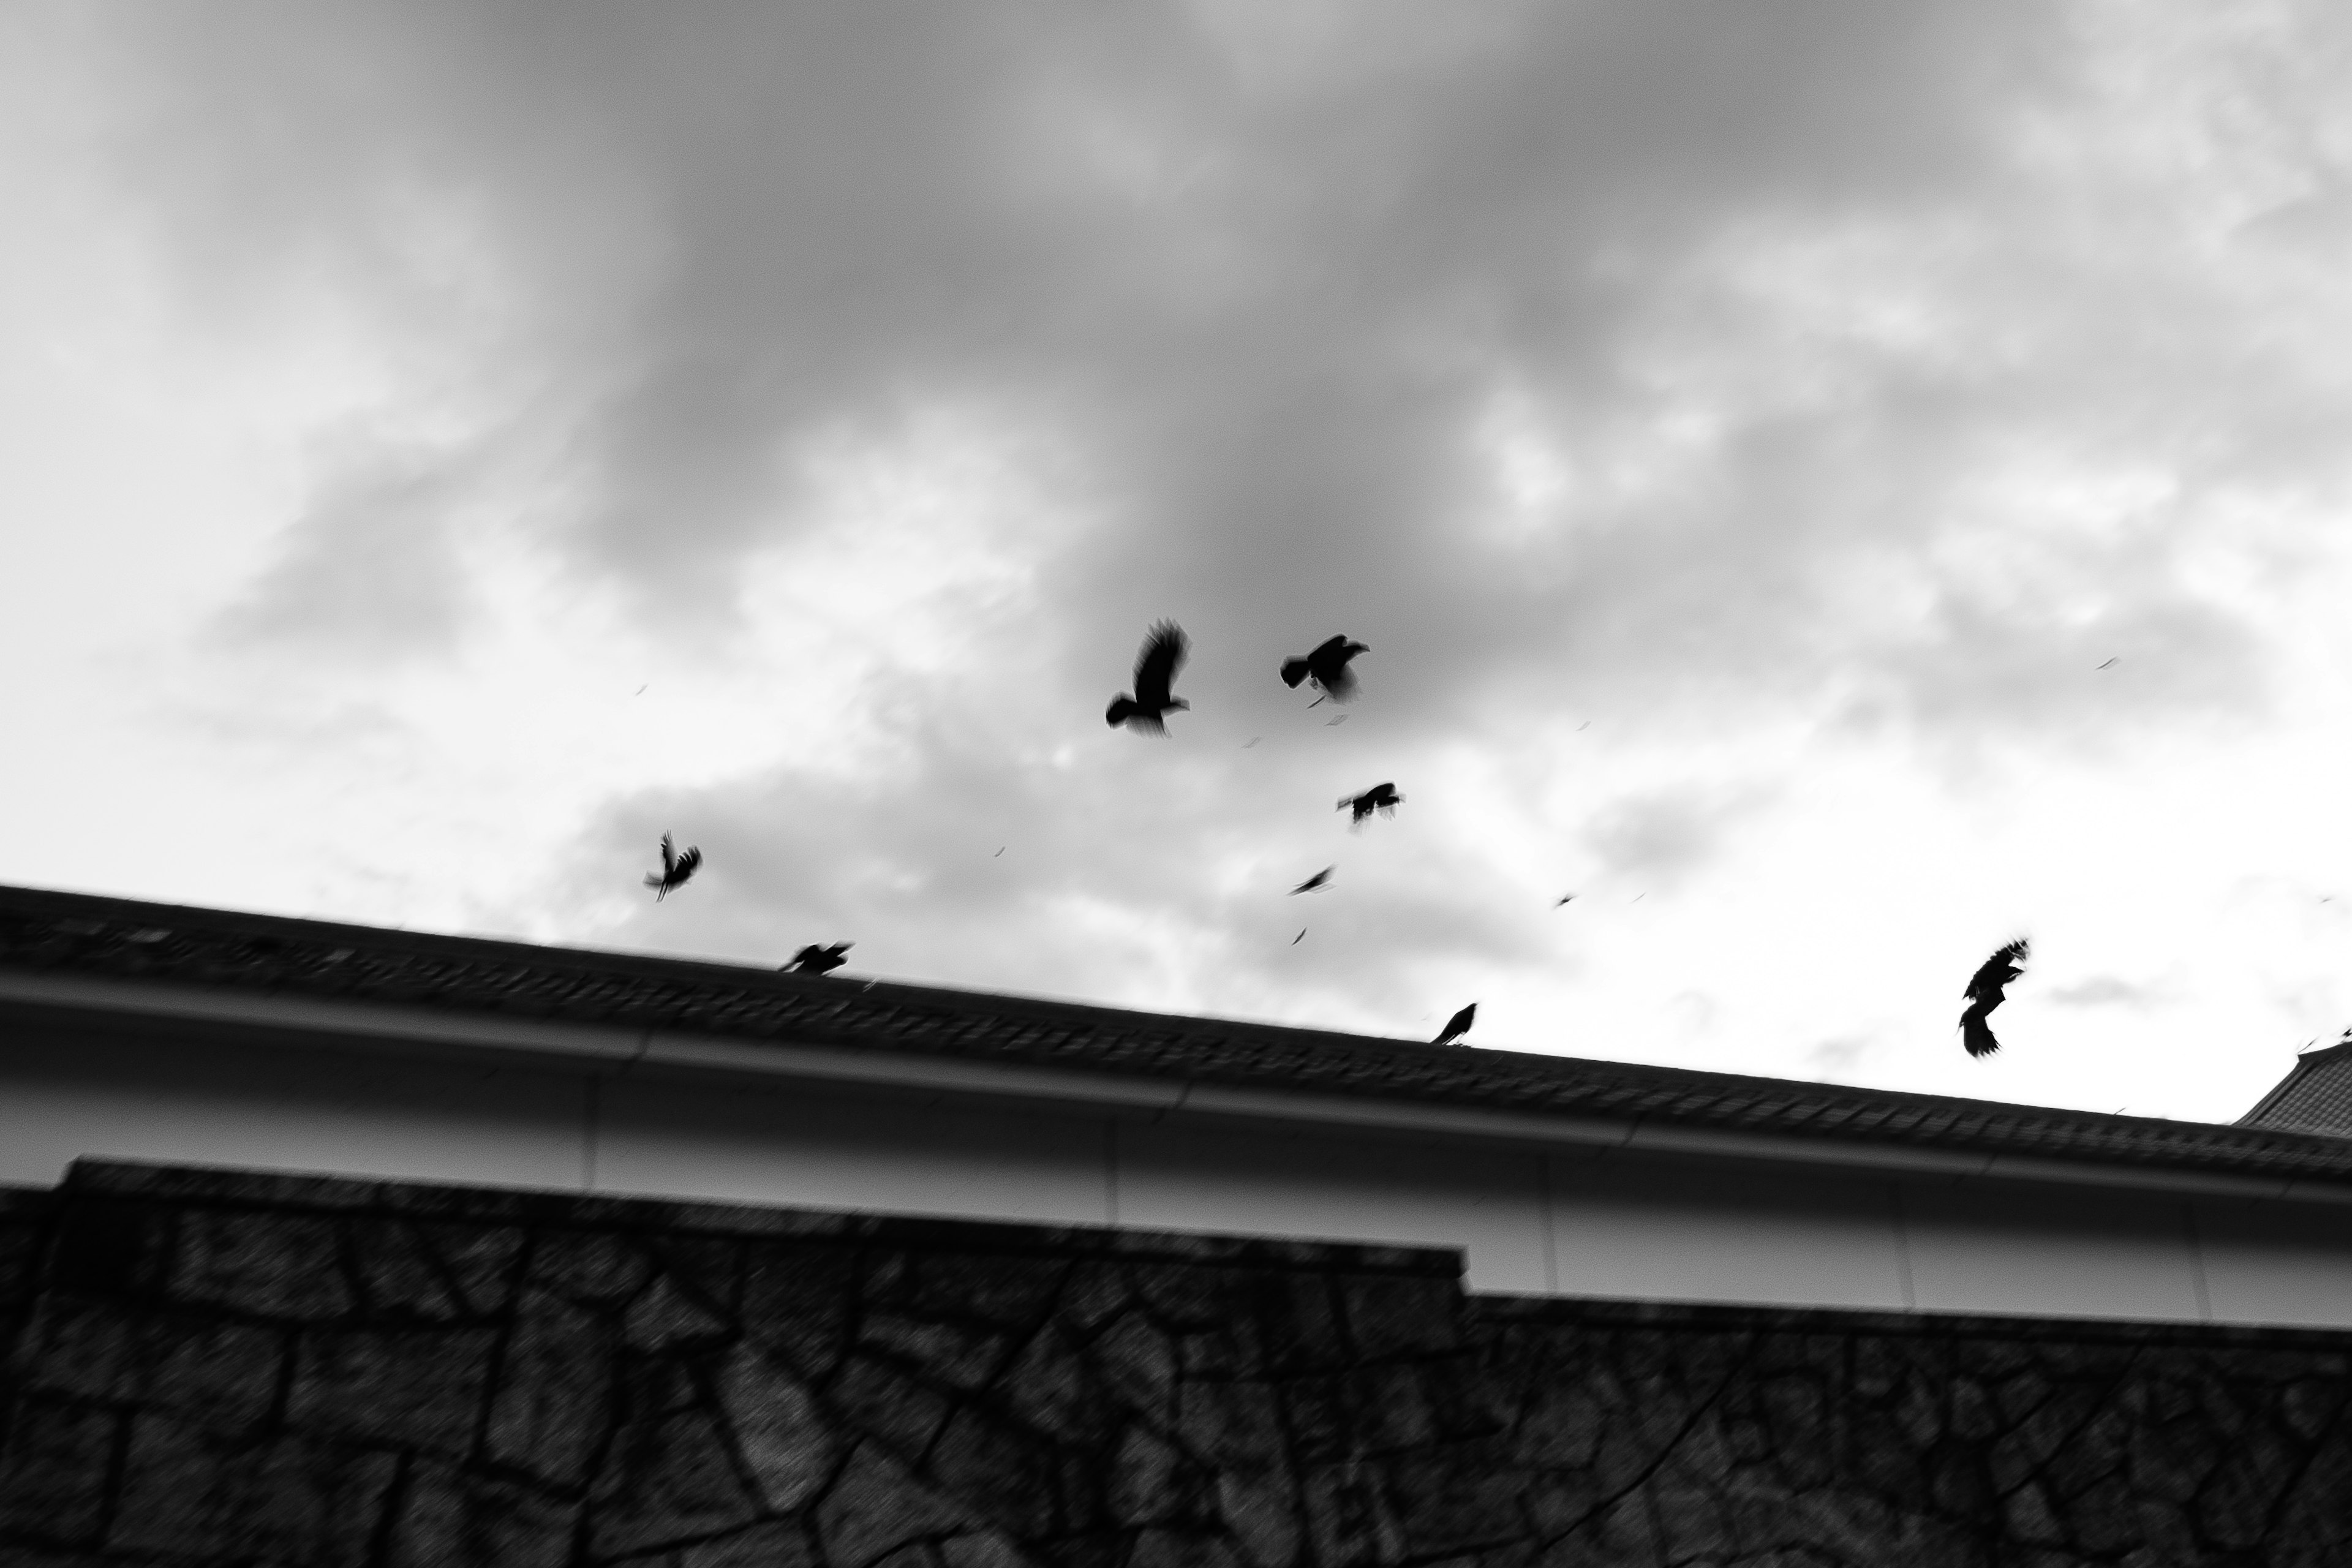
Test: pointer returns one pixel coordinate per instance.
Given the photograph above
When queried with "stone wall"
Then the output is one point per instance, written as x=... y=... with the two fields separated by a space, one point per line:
x=220 y=1369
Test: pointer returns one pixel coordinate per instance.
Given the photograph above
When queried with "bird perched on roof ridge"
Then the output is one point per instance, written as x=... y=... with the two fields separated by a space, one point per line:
x=1457 y=1025
x=1988 y=989
x=1155 y=670
x=815 y=960
x=1382 y=798
x=675 y=868
x=1327 y=668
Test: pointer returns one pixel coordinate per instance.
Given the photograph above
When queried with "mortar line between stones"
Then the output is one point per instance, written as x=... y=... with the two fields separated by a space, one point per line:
x=1903 y=1248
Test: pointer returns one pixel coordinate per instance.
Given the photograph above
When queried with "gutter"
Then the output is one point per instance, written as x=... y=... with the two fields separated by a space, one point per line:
x=610 y=1050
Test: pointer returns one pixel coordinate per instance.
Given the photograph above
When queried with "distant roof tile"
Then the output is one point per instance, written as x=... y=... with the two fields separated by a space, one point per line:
x=76 y=934
x=2316 y=1097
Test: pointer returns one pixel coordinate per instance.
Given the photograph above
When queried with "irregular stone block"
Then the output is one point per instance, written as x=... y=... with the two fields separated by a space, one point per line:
x=876 y=1507
x=552 y=1403
x=481 y=1260
x=400 y=1280
x=412 y=1388
x=960 y=1356
x=282 y=1266
x=878 y=1400
x=777 y=1428
x=780 y=1543
x=188 y=1493
x=1403 y=1317
x=798 y=1302
x=592 y=1268
x=667 y=1482
x=664 y=1318
x=447 y=1518
x=53 y=1472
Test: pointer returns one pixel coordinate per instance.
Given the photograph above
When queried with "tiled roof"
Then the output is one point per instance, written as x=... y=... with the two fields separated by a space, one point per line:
x=83 y=935
x=2316 y=1097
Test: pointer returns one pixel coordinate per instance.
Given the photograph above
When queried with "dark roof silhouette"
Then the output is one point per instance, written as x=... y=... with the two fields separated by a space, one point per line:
x=81 y=936
x=2315 y=1096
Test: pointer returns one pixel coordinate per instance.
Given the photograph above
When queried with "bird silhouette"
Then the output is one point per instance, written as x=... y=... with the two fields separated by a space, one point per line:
x=1327 y=668
x=1457 y=1025
x=675 y=868
x=1299 y=938
x=815 y=960
x=1565 y=898
x=1382 y=798
x=1163 y=654
x=1988 y=989
x=1315 y=881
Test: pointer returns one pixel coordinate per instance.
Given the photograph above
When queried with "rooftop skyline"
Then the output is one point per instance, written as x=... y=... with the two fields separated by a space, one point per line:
x=1834 y=489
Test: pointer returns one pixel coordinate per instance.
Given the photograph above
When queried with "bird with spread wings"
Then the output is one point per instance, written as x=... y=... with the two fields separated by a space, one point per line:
x=1382 y=798
x=1327 y=669
x=815 y=960
x=675 y=868
x=1155 y=670
x=1988 y=989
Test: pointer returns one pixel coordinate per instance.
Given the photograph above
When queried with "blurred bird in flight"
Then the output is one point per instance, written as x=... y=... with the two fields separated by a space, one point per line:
x=1988 y=989
x=1382 y=798
x=1314 y=882
x=675 y=868
x=1327 y=669
x=815 y=960
x=1155 y=670
x=1457 y=1025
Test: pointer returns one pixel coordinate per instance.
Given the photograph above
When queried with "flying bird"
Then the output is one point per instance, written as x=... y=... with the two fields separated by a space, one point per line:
x=1327 y=669
x=675 y=868
x=2109 y=664
x=1313 y=882
x=1457 y=1025
x=1299 y=938
x=1564 y=899
x=1163 y=654
x=1988 y=989
x=1382 y=798
x=815 y=960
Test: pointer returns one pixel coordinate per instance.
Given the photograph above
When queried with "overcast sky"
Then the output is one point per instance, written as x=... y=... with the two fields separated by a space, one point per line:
x=1835 y=486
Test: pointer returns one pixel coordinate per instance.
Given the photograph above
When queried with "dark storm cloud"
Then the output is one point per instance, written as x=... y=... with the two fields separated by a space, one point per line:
x=1688 y=365
x=1261 y=279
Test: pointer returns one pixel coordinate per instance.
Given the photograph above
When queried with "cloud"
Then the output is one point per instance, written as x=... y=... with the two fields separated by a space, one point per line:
x=2106 y=991
x=1751 y=281
x=1761 y=383
x=1659 y=840
x=369 y=571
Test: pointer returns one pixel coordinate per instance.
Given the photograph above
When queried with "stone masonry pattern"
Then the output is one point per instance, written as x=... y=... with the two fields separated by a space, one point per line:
x=214 y=1369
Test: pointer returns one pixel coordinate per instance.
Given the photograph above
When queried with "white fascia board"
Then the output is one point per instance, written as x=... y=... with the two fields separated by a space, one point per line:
x=609 y=1050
